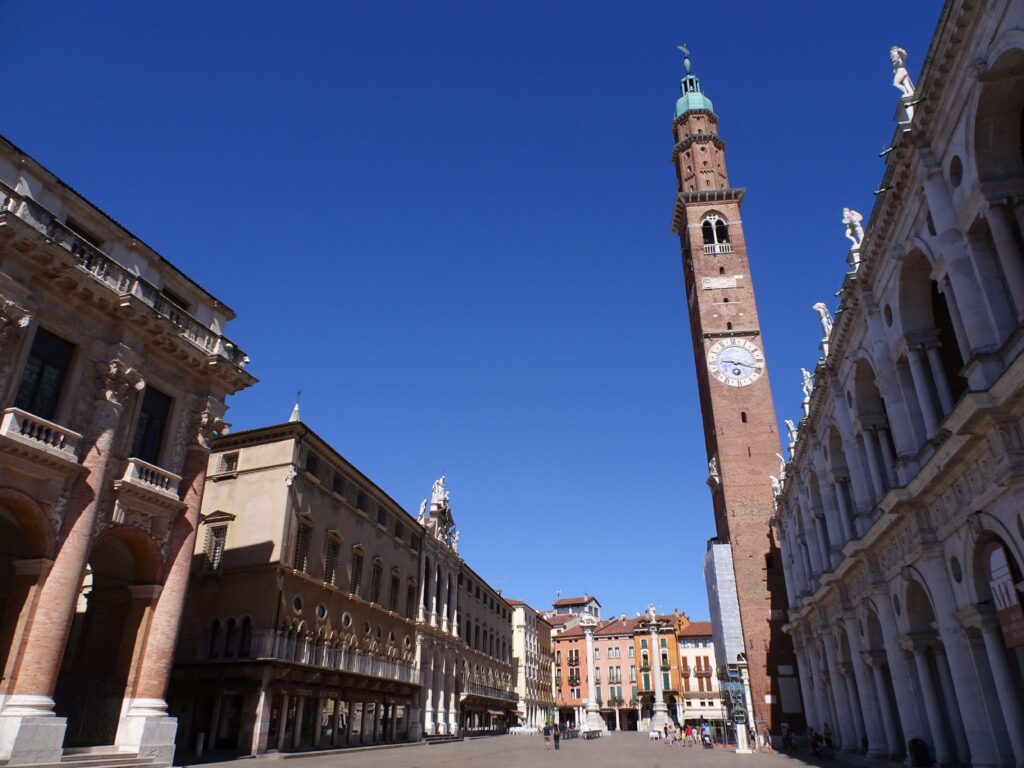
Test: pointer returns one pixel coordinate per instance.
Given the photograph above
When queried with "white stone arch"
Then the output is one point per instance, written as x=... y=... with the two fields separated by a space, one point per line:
x=984 y=527
x=1005 y=53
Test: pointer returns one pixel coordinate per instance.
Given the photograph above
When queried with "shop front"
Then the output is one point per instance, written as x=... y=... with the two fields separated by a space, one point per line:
x=484 y=715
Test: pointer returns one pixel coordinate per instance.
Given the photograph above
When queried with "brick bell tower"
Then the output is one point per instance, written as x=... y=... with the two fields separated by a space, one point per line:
x=740 y=429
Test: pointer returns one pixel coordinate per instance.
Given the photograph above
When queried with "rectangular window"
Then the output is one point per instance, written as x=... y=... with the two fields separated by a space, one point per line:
x=303 y=539
x=356 y=577
x=213 y=550
x=338 y=486
x=228 y=462
x=633 y=688
x=410 y=601
x=597 y=691
x=597 y=674
x=393 y=597
x=361 y=501
x=149 y=432
x=312 y=464
x=382 y=516
x=399 y=531
x=558 y=657
x=332 y=551
x=43 y=378
x=643 y=643
x=665 y=681
x=632 y=673
x=375 y=580
x=632 y=652
x=597 y=653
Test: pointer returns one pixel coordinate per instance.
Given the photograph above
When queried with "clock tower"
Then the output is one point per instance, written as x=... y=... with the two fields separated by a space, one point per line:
x=740 y=430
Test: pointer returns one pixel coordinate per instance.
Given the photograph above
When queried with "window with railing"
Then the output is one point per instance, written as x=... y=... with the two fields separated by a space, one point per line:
x=150 y=428
x=228 y=462
x=356 y=576
x=43 y=377
x=715 y=232
x=375 y=582
x=332 y=553
x=393 y=595
x=303 y=540
x=213 y=547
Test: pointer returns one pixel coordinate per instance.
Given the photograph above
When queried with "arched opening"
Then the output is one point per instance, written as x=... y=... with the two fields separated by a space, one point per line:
x=934 y=355
x=840 y=470
x=928 y=660
x=874 y=441
x=104 y=639
x=715 y=232
x=820 y=516
x=24 y=538
x=999 y=123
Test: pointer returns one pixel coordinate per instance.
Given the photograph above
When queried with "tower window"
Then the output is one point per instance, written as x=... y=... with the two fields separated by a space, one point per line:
x=728 y=326
x=715 y=231
x=721 y=270
x=725 y=300
x=743 y=416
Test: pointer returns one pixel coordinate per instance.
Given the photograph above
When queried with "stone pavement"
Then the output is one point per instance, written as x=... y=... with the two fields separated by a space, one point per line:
x=616 y=750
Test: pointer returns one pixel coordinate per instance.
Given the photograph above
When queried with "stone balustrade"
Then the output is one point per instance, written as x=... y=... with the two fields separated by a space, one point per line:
x=40 y=433
x=151 y=478
x=718 y=248
x=273 y=645
x=117 y=278
x=479 y=689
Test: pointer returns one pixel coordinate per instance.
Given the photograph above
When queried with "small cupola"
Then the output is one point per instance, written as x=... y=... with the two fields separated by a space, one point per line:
x=692 y=98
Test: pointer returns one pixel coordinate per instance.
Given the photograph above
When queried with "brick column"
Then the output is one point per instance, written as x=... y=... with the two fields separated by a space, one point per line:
x=145 y=723
x=32 y=692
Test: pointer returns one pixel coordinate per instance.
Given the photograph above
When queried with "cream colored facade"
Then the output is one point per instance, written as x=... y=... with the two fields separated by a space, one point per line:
x=300 y=628
x=700 y=696
x=900 y=513
x=113 y=374
x=534 y=660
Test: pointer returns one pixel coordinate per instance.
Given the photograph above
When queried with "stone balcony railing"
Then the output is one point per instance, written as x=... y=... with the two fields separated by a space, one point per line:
x=479 y=689
x=272 y=645
x=117 y=278
x=718 y=248
x=43 y=435
x=147 y=477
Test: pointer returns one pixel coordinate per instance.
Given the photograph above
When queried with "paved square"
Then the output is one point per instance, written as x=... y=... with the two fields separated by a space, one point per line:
x=617 y=750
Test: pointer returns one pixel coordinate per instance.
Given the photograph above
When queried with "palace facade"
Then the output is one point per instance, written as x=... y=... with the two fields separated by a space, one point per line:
x=114 y=368
x=900 y=513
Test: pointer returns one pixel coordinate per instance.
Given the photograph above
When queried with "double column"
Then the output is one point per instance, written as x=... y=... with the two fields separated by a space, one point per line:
x=29 y=729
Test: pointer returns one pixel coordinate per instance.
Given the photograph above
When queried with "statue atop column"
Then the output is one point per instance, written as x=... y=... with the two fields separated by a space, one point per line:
x=792 y=434
x=652 y=615
x=713 y=476
x=439 y=494
x=807 y=386
x=854 y=228
x=826 y=325
x=422 y=513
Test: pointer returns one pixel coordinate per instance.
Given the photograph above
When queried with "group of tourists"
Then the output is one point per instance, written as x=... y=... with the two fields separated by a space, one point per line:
x=688 y=735
x=552 y=733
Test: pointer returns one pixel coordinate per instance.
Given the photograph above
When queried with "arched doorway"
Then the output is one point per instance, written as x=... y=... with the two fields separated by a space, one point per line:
x=104 y=635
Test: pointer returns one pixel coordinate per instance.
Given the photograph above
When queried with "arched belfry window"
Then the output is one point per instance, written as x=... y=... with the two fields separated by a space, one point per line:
x=716 y=234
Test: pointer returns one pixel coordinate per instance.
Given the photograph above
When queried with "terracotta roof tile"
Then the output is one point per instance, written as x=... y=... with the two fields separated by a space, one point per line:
x=566 y=601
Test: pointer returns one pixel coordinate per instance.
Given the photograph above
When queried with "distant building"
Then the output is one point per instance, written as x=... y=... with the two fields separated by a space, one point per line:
x=577 y=605
x=533 y=657
x=114 y=368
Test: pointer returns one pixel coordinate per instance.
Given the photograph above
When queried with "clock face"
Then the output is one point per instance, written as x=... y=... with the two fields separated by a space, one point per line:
x=735 y=362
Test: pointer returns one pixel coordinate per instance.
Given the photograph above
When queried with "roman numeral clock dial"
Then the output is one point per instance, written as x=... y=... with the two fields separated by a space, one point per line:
x=735 y=362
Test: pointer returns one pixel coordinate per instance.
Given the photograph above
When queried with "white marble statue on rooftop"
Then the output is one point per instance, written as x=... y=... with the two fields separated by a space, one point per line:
x=455 y=542
x=782 y=466
x=438 y=494
x=652 y=615
x=808 y=383
x=854 y=228
x=713 y=467
x=776 y=485
x=422 y=513
x=826 y=319
x=901 y=78
x=792 y=434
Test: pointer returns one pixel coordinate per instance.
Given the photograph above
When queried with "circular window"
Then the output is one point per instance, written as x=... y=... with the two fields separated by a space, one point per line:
x=955 y=569
x=346 y=619
x=408 y=642
x=321 y=611
x=297 y=604
x=366 y=627
x=956 y=171
x=896 y=603
x=887 y=312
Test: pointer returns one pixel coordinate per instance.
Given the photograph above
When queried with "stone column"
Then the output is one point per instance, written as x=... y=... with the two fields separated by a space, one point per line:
x=428 y=693
x=29 y=730
x=939 y=377
x=1009 y=696
x=453 y=692
x=845 y=726
x=145 y=724
x=887 y=712
x=888 y=460
x=853 y=702
x=940 y=738
x=946 y=288
x=919 y=374
x=300 y=712
x=594 y=721
x=1000 y=224
x=824 y=549
x=446 y=589
x=421 y=589
x=282 y=724
x=963 y=750
x=899 y=668
x=870 y=440
x=261 y=720
x=455 y=608
x=845 y=518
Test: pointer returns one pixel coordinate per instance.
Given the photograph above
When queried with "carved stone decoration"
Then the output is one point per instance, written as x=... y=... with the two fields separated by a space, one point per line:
x=901 y=78
x=118 y=380
x=210 y=425
x=13 y=322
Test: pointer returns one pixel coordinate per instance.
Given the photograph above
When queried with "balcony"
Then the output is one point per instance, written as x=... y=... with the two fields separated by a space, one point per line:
x=147 y=497
x=39 y=440
x=116 y=278
x=267 y=646
x=718 y=248
x=479 y=689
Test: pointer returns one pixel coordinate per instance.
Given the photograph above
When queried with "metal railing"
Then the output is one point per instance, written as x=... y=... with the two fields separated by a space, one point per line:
x=115 y=277
x=479 y=689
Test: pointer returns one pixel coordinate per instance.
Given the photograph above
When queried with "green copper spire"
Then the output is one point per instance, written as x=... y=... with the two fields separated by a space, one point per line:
x=295 y=411
x=692 y=97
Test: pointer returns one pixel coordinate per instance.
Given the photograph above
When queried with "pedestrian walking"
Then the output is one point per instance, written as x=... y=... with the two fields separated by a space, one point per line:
x=547 y=737
x=557 y=734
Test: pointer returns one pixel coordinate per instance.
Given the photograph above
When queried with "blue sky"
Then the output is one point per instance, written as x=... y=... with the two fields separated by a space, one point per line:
x=448 y=223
